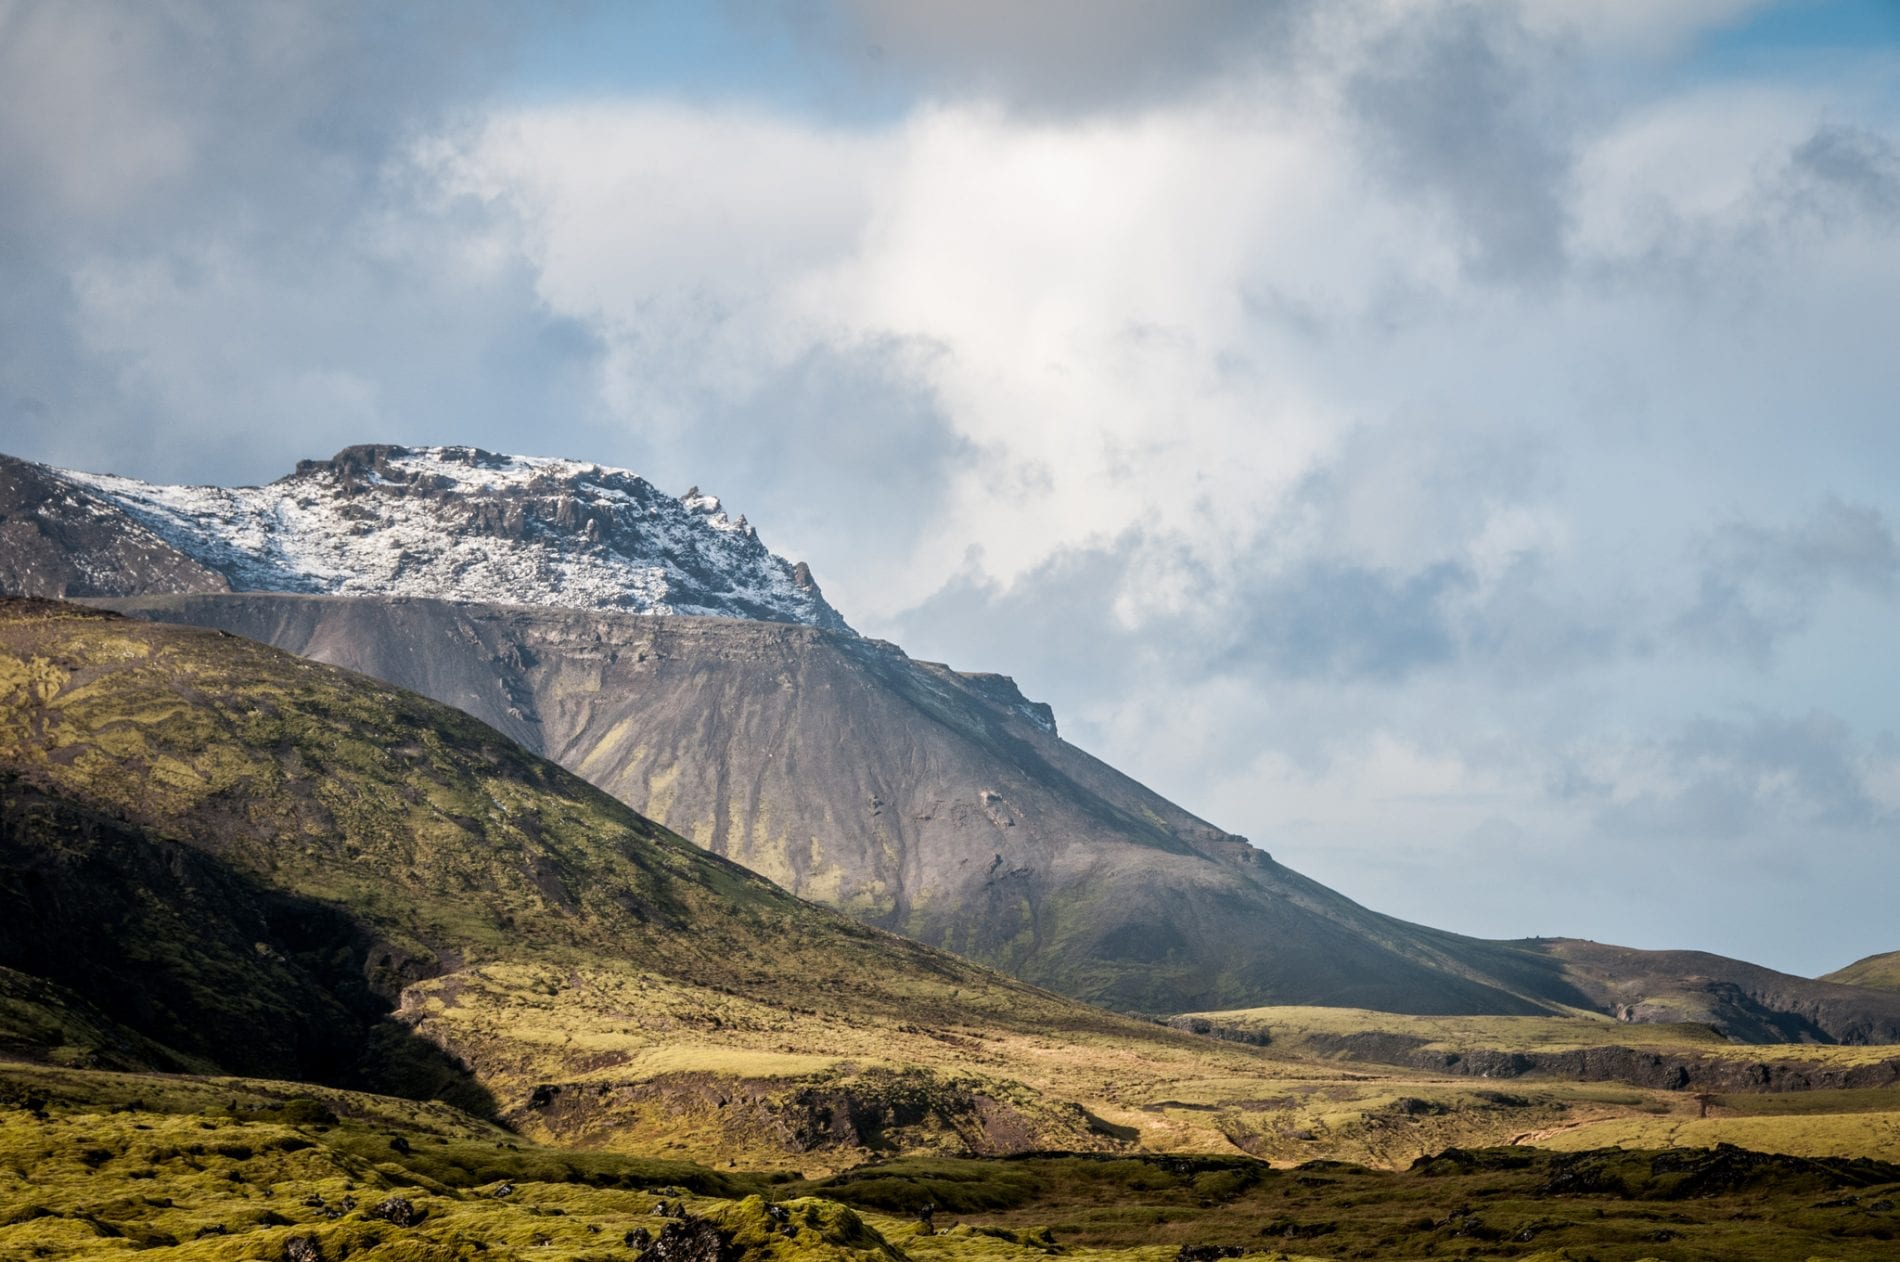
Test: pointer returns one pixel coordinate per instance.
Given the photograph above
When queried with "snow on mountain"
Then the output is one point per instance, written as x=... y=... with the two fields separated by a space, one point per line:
x=459 y=523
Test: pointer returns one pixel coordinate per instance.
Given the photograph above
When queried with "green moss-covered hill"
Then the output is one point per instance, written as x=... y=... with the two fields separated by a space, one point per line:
x=213 y=854
x=1882 y=972
x=97 y=1165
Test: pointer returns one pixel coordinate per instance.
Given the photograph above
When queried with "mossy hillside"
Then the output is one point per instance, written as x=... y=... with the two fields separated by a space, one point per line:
x=1680 y=1056
x=1614 y=1205
x=97 y=1165
x=1882 y=972
x=426 y=824
x=499 y=900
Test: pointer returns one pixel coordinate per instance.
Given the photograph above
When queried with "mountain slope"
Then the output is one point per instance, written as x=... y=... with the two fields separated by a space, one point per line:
x=939 y=805
x=272 y=865
x=456 y=522
x=1879 y=971
x=59 y=539
x=945 y=806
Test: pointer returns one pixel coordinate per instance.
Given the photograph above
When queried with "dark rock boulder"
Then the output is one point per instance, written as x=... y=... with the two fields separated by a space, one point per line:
x=691 y=1240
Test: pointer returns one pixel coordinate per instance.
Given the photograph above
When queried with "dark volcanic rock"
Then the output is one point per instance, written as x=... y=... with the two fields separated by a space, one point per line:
x=690 y=1240
x=398 y=1211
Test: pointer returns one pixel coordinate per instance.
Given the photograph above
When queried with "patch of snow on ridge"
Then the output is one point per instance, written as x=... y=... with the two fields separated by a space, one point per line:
x=459 y=523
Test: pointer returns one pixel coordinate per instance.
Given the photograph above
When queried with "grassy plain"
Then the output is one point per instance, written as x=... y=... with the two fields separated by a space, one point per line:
x=1357 y=1033
x=1304 y=1026
x=187 y=1169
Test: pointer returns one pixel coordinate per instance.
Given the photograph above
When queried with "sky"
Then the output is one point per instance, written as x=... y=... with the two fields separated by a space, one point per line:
x=1454 y=445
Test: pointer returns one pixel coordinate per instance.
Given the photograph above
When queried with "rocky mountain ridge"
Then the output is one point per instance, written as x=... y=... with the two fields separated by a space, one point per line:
x=456 y=523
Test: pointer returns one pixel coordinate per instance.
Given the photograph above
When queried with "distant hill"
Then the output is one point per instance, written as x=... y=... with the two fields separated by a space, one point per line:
x=1879 y=971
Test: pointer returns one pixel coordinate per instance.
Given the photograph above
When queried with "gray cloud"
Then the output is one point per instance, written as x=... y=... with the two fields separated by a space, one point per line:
x=1765 y=780
x=1757 y=585
x=1350 y=621
x=1056 y=56
x=211 y=253
x=839 y=444
x=1848 y=164
x=1456 y=106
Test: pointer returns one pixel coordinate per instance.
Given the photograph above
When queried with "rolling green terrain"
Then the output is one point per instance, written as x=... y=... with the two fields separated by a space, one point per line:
x=215 y=856
x=299 y=872
x=447 y=972
x=1879 y=971
x=105 y=1165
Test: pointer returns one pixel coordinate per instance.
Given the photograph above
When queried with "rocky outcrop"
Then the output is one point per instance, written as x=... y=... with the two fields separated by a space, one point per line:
x=1254 y=1035
x=59 y=540
x=851 y=1116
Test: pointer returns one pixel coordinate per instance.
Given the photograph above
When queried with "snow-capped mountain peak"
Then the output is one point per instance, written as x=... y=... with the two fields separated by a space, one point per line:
x=460 y=523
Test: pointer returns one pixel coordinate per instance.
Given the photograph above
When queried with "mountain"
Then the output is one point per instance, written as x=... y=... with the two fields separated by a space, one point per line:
x=938 y=804
x=215 y=855
x=456 y=522
x=944 y=806
x=1880 y=971
x=58 y=538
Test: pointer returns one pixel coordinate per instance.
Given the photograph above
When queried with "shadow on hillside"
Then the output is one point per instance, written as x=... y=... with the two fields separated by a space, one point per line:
x=205 y=959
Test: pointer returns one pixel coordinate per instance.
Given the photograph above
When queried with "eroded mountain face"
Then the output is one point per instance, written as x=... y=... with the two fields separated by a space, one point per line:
x=937 y=804
x=456 y=523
